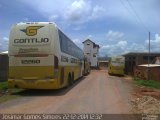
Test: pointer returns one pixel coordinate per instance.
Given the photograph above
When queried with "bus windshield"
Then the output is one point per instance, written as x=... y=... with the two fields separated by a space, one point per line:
x=117 y=62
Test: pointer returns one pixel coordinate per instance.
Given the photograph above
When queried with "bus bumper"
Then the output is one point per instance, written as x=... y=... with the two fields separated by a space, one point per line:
x=33 y=84
x=116 y=72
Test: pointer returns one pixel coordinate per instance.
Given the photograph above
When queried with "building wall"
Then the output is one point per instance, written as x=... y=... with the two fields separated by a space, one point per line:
x=3 y=67
x=88 y=45
x=103 y=64
x=142 y=73
x=91 y=53
x=131 y=61
x=94 y=62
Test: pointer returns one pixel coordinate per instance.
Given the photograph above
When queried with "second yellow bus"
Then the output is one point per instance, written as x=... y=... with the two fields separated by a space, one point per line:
x=116 y=65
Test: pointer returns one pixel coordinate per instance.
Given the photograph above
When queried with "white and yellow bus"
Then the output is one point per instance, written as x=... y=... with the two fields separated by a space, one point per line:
x=41 y=56
x=116 y=65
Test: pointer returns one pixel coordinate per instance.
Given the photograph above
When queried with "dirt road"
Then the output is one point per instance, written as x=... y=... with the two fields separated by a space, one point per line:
x=96 y=93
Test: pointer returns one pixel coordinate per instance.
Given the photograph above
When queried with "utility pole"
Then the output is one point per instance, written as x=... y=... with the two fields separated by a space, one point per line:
x=149 y=57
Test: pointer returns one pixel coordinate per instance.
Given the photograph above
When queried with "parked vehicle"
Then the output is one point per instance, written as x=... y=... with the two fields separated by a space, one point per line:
x=41 y=56
x=116 y=65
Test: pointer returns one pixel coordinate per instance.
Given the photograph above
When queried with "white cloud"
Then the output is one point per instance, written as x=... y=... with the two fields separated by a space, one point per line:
x=120 y=9
x=5 y=39
x=82 y=11
x=78 y=43
x=114 y=36
x=48 y=7
x=77 y=10
x=25 y=19
x=122 y=43
x=134 y=47
x=154 y=44
x=121 y=48
x=4 y=44
x=89 y=36
x=53 y=17
x=97 y=12
x=68 y=12
x=77 y=27
x=114 y=49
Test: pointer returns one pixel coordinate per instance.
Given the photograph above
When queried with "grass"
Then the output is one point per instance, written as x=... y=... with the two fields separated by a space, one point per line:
x=148 y=83
x=6 y=94
x=8 y=97
x=3 y=86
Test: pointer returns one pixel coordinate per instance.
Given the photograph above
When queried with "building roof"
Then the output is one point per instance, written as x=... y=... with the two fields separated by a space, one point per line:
x=4 y=53
x=141 y=53
x=149 y=65
x=94 y=44
x=104 y=61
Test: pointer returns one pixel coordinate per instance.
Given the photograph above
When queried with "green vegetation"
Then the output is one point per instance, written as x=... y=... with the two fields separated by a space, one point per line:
x=3 y=86
x=7 y=97
x=7 y=94
x=148 y=83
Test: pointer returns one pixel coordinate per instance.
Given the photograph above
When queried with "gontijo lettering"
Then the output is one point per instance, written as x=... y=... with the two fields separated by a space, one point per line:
x=32 y=40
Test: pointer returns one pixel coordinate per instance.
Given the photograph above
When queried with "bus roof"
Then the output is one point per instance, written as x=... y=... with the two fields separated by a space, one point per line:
x=30 y=23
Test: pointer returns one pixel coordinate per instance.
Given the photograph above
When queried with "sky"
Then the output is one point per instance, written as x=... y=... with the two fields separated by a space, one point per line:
x=117 y=26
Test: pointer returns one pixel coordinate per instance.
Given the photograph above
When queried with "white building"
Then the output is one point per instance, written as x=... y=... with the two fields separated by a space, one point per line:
x=91 y=52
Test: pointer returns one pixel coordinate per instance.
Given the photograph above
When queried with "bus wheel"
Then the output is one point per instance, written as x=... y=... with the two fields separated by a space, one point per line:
x=73 y=77
x=70 y=81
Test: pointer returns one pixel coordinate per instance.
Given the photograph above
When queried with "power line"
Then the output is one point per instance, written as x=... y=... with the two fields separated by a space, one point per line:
x=136 y=14
x=125 y=6
x=129 y=11
x=133 y=12
x=140 y=21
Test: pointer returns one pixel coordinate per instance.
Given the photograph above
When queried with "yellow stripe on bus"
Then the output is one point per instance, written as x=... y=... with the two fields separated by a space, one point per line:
x=40 y=77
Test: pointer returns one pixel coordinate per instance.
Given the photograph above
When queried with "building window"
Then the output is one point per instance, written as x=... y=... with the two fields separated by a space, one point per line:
x=94 y=55
x=88 y=44
x=145 y=57
x=87 y=53
x=151 y=58
x=134 y=58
